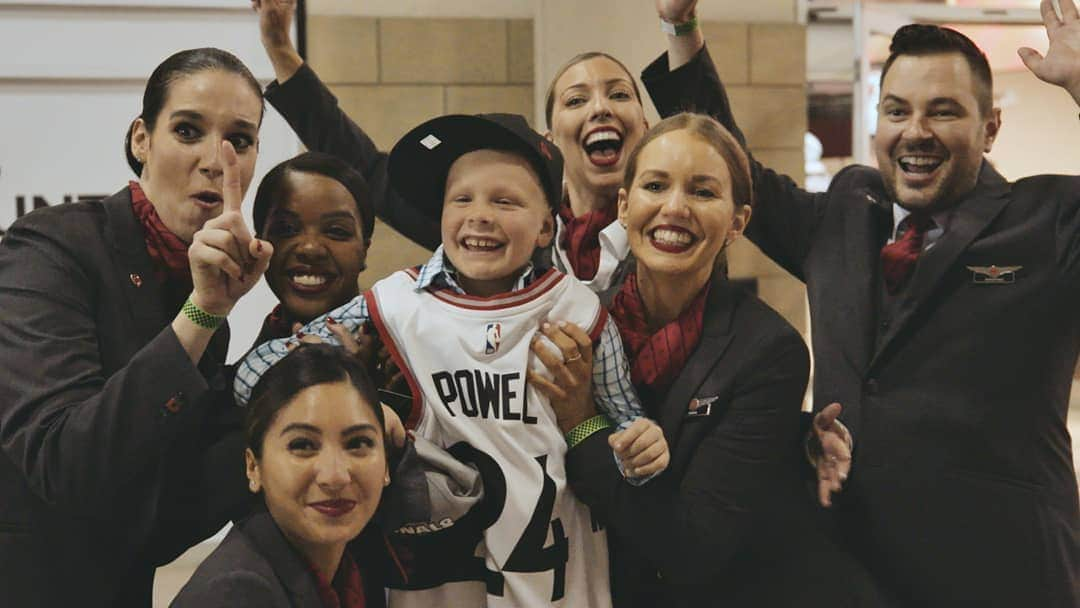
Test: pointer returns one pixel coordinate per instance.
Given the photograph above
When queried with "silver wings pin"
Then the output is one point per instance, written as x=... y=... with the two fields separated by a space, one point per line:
x=993 y=275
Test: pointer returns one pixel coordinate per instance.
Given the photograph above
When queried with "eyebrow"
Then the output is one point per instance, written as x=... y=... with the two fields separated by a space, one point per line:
x=193 y=115
x=310 y=428
x=705 y=178
x=700 y=177
x=656 y=172
x=609 y=82
x=356 y=428
x=300 y=426
x=934 y=101
x=333 y=215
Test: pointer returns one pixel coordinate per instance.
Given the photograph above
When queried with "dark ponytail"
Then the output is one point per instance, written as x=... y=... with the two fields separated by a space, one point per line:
x=180 y=64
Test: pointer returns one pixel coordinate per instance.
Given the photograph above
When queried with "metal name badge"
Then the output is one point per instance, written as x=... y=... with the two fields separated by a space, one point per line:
x=993 y=275
x=700 y=406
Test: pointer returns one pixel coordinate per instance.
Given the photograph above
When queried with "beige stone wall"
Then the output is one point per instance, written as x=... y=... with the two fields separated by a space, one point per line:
x=391 y=74
x=764 y=68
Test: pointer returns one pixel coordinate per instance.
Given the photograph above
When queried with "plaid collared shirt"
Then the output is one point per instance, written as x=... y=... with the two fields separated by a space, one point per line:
x=612 y=388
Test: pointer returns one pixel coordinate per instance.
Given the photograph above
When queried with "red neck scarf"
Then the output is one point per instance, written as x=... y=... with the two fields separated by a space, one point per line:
x=580 y=238
x=347 y=588
x=656 y=359
x=168 y=253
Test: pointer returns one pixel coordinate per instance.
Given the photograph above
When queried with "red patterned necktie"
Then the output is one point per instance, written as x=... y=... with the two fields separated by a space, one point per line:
x=898 y=258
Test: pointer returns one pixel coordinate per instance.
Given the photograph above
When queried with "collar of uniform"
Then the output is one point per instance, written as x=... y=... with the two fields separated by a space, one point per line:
x=438 y=273
x=612 y=238
x=614 y=249
x=941 y=222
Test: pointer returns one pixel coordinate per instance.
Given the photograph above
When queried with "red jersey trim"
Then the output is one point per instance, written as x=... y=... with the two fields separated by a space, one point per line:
x=545 y=283
x=417 y=411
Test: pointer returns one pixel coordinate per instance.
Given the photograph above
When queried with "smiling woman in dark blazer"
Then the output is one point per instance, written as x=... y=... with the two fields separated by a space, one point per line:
x=730 y=523
x=112 y=341
x=315 y=454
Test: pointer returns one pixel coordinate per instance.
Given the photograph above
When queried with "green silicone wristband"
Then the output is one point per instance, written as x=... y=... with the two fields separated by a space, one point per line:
x=678 y=29
x=200 y=317
x=580 y=432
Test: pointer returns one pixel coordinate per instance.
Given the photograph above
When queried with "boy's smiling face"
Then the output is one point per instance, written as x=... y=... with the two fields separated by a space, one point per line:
x=494 y=216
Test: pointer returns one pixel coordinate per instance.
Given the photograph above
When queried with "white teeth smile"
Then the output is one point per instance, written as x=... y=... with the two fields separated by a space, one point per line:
x=475 y=243
x=919 y=164
x=600 y=136
x=309 y=280
x=672 y=237
x=920 y=160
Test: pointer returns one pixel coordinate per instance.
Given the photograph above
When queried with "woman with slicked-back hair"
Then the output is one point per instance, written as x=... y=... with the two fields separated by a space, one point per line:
x=113 y=342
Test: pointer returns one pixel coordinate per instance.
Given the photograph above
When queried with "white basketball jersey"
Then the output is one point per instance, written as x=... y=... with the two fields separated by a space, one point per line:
x=467 y=357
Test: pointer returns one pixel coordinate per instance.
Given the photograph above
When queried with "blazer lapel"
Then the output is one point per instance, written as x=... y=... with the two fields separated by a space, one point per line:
x=291 y=569
x=970 y=218
x=715 y=337
x=855 y=303
x=133 y=267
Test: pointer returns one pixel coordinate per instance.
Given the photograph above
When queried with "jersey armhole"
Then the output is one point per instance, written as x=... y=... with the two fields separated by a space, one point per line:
x=417 y=410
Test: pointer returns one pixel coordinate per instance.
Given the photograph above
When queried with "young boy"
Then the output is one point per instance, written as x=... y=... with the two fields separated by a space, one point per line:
x=460 y=328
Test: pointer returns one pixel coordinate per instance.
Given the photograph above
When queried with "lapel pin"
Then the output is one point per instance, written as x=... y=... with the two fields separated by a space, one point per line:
x=700 y=406
x=136 y=280
x=993 y=275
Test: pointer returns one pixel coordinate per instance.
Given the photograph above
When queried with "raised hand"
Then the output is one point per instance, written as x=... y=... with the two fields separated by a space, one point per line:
x=275 y=21
x=676 y=11
x=1061 y=65
x=275 y=28
x=226 y=261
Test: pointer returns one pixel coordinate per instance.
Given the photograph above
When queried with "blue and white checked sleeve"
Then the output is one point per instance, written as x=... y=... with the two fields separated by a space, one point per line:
x=350 y=315
x=612 y=388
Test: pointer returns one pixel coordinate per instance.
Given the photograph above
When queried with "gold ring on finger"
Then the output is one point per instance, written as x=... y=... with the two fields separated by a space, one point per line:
x=574 y=358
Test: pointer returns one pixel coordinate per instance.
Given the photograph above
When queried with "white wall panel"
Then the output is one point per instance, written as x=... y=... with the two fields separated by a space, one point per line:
x=71 y=81
x=118 y=43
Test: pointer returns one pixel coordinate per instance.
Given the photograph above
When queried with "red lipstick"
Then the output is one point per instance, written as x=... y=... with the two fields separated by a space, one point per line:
x=334 y=508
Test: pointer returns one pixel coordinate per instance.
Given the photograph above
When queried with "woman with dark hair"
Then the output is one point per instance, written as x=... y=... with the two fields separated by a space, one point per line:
x=730 y=523
x=315 y=454
x=316 y=210
x=594 y=115
x=113 y=340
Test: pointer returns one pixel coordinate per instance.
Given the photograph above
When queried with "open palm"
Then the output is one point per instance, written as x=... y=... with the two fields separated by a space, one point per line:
x=1061 y=65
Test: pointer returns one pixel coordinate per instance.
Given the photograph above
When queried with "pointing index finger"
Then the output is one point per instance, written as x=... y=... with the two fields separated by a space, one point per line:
x=231 y=191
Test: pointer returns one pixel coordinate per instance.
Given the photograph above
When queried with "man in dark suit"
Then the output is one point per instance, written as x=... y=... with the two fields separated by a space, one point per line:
x=944 y=305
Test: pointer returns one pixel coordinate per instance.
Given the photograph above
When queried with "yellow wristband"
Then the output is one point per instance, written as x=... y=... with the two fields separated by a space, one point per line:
x=580 y=432
x=200 y=317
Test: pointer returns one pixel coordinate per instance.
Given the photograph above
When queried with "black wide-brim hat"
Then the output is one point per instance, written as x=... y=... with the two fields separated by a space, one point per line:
x=421 y=160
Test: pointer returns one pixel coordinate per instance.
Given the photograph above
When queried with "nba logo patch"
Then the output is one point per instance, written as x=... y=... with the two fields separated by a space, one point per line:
x=492 y=337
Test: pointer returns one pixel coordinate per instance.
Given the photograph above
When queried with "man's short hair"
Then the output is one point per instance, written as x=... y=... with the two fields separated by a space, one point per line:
x=919 y=39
